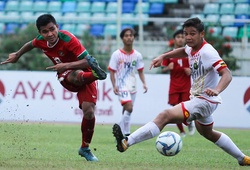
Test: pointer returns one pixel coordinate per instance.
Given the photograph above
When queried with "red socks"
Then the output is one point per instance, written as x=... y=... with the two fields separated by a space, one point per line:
x=86 y=77
x=87 y=128
x=180 y=127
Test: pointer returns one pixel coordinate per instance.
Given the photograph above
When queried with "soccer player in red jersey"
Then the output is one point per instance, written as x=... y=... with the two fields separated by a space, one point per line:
x=180 y=81
x=77 y=71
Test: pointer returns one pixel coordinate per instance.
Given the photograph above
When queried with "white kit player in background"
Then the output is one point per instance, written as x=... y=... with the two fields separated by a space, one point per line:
x=123 y=65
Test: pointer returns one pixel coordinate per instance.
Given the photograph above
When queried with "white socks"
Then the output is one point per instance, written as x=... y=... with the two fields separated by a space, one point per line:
x=225 y=143
x=125 y=122
x=145 y=132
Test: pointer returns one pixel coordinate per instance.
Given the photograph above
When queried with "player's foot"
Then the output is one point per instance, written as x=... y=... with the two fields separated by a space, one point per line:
x=183 y=134
x=191 y=128
x=99 y=73
x=245 y=161
x=121 y=141
x=87 y=154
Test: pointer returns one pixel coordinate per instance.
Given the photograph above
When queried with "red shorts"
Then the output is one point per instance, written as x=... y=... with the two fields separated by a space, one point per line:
x=177 y=98
x=85 y=93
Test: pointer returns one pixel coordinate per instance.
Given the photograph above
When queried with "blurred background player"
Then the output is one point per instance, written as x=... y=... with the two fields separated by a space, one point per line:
x=77 y=71
x=122 y=66
x=180 y=81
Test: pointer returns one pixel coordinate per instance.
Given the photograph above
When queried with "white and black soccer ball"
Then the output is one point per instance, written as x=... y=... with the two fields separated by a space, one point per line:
x=168 y=143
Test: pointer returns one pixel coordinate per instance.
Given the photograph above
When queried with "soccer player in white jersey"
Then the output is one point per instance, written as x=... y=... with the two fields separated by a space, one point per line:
x=123 y=65
x=210 y=77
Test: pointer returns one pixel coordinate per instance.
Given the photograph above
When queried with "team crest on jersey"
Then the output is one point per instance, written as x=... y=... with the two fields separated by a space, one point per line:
x=61 y=53
x=134 y=63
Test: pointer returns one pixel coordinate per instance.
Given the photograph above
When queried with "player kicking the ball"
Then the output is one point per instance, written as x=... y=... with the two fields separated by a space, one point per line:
x=206 y=66
x=77 y=71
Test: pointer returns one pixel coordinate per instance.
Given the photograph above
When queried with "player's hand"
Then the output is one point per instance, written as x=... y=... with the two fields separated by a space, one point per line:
x=171 y=66
x=13 y=58
x=115 y=90
x=145 y=88
x=60 y=67
x=187 y=71
x=156 y=62
x=211 y=92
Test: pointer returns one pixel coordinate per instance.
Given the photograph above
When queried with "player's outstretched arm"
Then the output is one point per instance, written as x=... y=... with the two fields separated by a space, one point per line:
x=14 y=57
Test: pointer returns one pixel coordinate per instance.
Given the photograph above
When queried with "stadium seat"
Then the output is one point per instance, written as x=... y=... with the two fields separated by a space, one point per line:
x=83 y=7
x=224 y=1
x=241 y=1
x=241 y=8
x=227 y=20
x=128 y=19
x=68 y=6
x=244 y=31
x=214 y=30
x=39 y=6
x=11 y=28
x=227 y=8
x=111 y=18
x=12 y=17
x=54 y=6
x=27 y=17
x=58 y=16
x=170 y=1
x=98 y=7
x=69 y=17
x=242 y=17
x=25 y=6
x=69 y=27
x=211 y=8
x=128 y=7
x=111 y=7
x=12 y=5
x=2 y=5
x=98 y=18
x=80 y=28
x=156 y=8
x=144 y=19
x=2 y=28
x=144 y=7
x=83 y=18
x=97 y=30
x=155 y=1
x=212 y=19
x=230 y=32
x=110 y=30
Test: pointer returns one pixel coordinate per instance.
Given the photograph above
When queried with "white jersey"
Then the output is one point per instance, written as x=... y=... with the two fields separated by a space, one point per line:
x=205 y=64
x=125 y=66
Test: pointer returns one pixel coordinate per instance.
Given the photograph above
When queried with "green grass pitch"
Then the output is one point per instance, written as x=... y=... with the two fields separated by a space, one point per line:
x=28 y=146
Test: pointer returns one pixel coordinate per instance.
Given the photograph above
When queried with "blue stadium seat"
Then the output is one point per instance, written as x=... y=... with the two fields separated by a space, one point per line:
x=80 y=28
x=224 y=1
x=11 y=28
x=69 y=27
x=27 y=17
x=156 y=8
x=12 y=17
x=98 y=18
x=211 y=8
x=68 y=6
x=230 y=32
x=97 y=30
x=112 y=18
x=54 y=6
x=83 y=18
x=240 y=16
x=2 y=28
x=227 y=8
x=69 y=17
x=128 y=19
x=128 y=7
x=2 y=5
x=144 y=18
x=170 y=1
x=212 y=19
x=241 y=1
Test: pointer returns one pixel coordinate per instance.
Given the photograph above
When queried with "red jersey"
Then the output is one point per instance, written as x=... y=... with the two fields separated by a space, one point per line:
x=67 y=49
x=179 y=80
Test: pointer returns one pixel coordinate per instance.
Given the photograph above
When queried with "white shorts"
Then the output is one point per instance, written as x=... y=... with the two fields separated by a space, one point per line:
x=125 y=96
x=200 y=110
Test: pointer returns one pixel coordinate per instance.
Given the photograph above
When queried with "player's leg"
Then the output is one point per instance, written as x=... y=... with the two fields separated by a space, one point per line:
x=181 y=129
x=150 y=130
x=87 y=98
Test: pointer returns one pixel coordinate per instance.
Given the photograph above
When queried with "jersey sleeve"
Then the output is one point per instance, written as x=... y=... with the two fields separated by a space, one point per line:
x=212 y=57
x=140 y=64
x=77 y=48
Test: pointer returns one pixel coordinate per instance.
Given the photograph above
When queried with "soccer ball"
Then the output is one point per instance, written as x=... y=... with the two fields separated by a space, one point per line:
x=168 y=143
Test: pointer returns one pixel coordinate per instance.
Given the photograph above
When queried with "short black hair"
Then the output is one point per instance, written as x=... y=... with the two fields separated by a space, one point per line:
x=177 y=33
x=125 y=30
x=194 y=22
x=44 y=19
